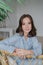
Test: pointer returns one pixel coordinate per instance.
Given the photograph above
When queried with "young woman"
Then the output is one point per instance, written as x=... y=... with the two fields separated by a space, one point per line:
x=24 y=42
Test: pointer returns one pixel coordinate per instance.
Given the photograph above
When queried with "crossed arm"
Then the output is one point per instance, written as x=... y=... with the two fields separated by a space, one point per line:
x=22 y=52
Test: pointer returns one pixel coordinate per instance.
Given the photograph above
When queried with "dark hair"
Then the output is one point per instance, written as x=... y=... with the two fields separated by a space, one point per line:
x=19 y=29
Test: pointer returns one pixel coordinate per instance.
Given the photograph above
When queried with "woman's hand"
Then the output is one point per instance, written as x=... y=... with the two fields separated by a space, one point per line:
x=22 y=52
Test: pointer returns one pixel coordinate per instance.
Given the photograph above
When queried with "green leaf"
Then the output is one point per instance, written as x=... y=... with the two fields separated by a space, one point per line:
x=3 y=14
x=20 y=1
x=4 y=9
x=4 y=6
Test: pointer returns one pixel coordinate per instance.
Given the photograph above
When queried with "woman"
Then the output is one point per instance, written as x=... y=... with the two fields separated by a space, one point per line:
x=24 y=42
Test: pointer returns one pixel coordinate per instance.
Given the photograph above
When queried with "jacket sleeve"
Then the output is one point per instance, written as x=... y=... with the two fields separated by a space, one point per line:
x=7 y=44
x=37 y=48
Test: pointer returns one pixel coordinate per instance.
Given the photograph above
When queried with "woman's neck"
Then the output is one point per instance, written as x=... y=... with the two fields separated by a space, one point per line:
x=25 y=35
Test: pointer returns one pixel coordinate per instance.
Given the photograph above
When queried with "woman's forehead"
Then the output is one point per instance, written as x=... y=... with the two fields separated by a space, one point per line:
x=26 y=20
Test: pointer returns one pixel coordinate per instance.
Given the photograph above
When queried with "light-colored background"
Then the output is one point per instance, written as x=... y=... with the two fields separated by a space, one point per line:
x=32 y=7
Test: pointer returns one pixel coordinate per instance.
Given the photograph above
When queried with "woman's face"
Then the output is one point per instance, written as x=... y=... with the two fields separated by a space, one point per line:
x=26 y=25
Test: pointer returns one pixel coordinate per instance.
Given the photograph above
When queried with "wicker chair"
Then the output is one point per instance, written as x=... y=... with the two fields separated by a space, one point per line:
x=4 y=58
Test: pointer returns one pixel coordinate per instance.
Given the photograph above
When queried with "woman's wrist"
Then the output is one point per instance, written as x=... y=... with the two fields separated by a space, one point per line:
x=29 y=52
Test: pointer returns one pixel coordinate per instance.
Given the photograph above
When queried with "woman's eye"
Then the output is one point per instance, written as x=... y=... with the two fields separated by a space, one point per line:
x=29 y=23
x=23 y=23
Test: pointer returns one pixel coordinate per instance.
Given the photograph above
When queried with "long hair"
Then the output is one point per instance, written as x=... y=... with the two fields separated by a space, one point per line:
x=19 y=29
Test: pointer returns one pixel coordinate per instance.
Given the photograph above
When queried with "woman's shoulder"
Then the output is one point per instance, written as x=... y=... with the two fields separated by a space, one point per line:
x=34 y=38
x=16 y=35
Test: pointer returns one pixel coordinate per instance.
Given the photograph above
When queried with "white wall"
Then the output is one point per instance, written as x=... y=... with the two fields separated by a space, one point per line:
x=33 y=7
